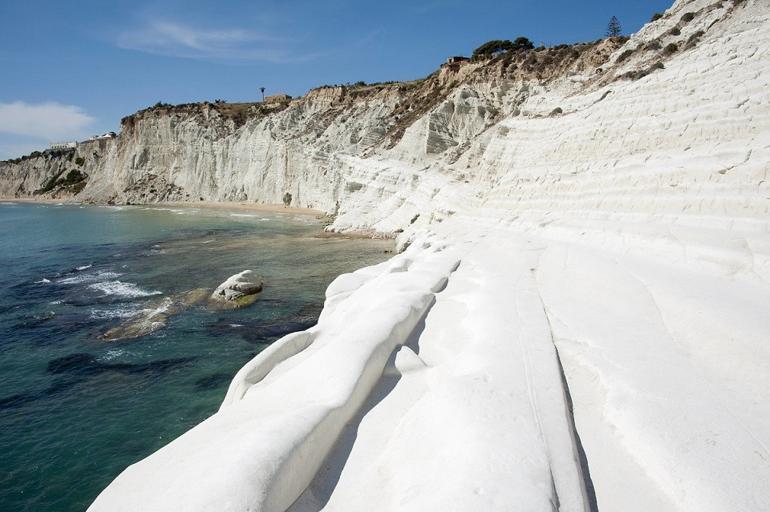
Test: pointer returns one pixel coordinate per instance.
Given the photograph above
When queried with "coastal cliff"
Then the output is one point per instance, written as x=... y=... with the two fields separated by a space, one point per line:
x=559 y=126
x=577 y=320
x=317 y=151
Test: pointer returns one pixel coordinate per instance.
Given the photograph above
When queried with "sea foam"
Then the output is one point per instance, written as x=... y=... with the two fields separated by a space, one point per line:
x=122 y=289
x=88 y=278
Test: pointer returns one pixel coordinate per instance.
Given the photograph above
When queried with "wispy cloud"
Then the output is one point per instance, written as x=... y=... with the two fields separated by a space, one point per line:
x=51 y=121
x=178 y=40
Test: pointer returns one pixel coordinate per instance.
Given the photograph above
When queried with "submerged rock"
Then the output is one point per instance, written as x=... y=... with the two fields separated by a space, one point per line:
x=239 y=290
x=156 y=315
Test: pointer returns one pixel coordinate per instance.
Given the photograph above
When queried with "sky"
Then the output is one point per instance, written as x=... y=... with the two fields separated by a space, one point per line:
x=72 y=69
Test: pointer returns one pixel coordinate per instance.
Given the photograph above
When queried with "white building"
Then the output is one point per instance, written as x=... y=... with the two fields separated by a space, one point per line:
x=63 y=145
x=108 y=135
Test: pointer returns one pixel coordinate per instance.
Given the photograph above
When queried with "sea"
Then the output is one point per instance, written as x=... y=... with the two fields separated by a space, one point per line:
x=75 y=408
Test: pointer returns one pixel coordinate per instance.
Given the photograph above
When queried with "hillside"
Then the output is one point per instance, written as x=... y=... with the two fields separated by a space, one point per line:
x=577 y=320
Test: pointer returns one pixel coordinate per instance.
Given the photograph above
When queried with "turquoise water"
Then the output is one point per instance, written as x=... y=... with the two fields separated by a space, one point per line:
x=75 y=410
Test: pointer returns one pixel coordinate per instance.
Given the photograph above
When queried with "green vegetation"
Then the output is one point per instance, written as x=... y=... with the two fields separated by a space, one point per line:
x=80 y=160
x=688 y=17
x=286 y=199
x=656 y=16
x=625 y=55
x=694 y=39
x=48 y=185
x=613 y=27
x=74 y=180
x=653 y=45
x=670 y=48
x=675 y=31
x=641 y=73
x=72 y=177
x=502 y=45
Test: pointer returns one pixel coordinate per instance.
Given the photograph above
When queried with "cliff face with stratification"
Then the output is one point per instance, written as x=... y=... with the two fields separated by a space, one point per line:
x=300 y=152
x=574 y=127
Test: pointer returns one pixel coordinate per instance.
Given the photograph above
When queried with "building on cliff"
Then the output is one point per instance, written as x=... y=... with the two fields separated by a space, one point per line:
x=108 y=135
x=63 y=145
x=278 y=98
x=457 y=59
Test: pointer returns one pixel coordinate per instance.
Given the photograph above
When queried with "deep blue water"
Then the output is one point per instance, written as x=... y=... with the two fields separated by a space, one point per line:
x=75 y=410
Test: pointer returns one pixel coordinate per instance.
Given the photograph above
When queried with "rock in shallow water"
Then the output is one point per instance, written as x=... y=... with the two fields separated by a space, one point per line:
x=239 y=290
x=154 y=317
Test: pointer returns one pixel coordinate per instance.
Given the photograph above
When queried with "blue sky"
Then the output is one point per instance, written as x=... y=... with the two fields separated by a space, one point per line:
x=71 y=69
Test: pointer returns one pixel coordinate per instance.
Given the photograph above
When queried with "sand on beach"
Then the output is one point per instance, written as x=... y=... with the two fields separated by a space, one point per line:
x=272 y=208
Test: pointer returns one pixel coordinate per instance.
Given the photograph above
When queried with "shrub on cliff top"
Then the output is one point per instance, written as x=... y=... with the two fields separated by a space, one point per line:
x=522 y=43
x=656 y=16
x=502 y=45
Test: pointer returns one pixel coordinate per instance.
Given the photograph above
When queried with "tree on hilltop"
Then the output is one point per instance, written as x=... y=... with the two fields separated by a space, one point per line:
x=613 y=27
x=502 y=45
x=522 y=43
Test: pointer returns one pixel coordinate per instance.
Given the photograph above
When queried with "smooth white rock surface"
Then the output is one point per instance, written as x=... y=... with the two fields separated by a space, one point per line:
x=237 y=286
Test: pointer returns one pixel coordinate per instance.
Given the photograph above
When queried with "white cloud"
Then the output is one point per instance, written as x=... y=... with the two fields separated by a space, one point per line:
x=51 y=121
x=177 y=40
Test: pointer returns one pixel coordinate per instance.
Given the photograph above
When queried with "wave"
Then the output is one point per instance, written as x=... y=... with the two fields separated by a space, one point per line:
x=178 y=211
x=83 y=267
x=112 y=313
x=242 y=215
x=43 y=281
x=112 y=354
x=88 y=278
x=121 y=289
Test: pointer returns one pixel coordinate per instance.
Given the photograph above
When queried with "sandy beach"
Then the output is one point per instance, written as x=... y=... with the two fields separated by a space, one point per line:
x=273 y=208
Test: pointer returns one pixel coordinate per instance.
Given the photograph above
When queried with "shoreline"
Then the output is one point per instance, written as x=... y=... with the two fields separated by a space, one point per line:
x=260 y=207
x=238 y=206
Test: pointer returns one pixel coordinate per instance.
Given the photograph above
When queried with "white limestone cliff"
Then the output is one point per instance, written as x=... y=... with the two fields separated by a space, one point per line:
x=578 y=322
